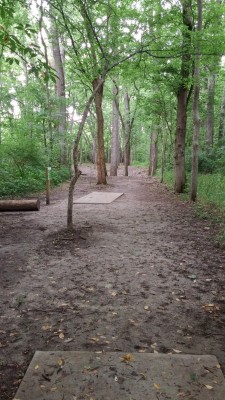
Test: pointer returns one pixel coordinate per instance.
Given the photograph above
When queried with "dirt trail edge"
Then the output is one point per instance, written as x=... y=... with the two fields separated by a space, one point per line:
x=139 y=274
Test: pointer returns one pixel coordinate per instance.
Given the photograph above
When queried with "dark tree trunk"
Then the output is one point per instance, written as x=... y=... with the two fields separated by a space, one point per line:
x=182 y=100
x=101 y=167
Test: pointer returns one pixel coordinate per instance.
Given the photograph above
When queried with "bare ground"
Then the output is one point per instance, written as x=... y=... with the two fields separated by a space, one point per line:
x=142 y=274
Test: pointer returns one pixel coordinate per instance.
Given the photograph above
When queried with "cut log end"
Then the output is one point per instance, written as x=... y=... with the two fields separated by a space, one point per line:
x=20 y=205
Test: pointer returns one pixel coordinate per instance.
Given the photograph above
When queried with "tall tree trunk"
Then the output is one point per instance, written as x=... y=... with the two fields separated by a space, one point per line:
x=222 y=119
x=101 y=167
x=153 y=152
x=182 y=99
x=127 y=132
x=60 y=92
x=210 y=112
x=49 y=106
x=163 y=150
x=115 y=133
x=196 y=116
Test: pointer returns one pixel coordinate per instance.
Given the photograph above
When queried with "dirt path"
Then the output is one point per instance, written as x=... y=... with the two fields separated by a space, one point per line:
x=136 y=276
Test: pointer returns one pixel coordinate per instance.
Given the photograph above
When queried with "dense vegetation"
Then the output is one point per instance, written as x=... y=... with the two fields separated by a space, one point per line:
x=116 y=81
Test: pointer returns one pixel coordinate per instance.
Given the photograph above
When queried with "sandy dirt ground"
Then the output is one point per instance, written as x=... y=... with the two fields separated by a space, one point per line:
x=142 y=274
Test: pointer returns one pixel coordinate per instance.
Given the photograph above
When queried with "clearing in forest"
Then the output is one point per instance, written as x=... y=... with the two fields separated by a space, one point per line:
x=141 y=274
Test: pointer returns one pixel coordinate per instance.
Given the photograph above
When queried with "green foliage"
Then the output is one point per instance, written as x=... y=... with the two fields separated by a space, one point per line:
x=208 y=163
x=33 y=181
x=21 y=154
x=211 y=189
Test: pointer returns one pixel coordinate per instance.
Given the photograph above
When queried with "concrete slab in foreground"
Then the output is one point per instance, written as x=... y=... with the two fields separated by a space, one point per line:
x=116 y=376
x=98 y=198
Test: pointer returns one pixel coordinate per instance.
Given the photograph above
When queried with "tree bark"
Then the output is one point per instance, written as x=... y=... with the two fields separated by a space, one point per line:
x=20 y=205
x=115 y=133
x=222 y=120
x=153 y=153
x=210 y=112
x=101 y=167
x=60 y=92
x=182 y=100
x=127 y=132
x=196 y=116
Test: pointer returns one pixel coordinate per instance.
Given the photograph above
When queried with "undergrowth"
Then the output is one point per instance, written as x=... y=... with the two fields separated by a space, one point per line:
x=211 y=199
x=12 y=184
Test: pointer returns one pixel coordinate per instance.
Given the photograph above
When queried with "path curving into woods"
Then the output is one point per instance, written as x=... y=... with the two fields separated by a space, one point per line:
x=141 y=274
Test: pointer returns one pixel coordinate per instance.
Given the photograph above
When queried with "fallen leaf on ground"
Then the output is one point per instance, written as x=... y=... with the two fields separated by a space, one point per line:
x=60 y=362
x=68 y=340
x=46 y=327
x=146 y=307
x=177 y=351
x=211 y=307
x=94 y=339
x=209 y=387
x=128 y=358
x=61 y=335
x=156 y=386
x=192 y=277
x=36 y=366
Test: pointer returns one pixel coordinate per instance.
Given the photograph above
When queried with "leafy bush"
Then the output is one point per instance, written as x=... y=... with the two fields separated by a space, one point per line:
x=34 y=180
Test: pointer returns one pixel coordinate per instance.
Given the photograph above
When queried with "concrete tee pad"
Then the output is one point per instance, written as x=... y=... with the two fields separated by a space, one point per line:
x=98 y=198
x=80 y=375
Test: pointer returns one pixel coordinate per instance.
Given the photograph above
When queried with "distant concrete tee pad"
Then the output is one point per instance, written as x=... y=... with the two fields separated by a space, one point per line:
x=80 y=375
x=98 y=198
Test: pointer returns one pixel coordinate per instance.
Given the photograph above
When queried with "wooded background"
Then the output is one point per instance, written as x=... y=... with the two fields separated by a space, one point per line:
x=112 y=81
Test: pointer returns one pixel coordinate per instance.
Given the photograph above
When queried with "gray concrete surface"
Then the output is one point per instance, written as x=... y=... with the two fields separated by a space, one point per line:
x=120 y=376
x=98 y=198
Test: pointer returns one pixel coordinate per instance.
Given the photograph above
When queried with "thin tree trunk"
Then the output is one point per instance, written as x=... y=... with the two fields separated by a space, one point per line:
x=127 y=132
x=101 y=167
x=49 y=106
x=153 y=153
x=75 y=154
x=196 y=116
x=163 y=155
x=210 y=112
x=182 y=100
x=222 y=119
x=115 y=133
x=60 y=92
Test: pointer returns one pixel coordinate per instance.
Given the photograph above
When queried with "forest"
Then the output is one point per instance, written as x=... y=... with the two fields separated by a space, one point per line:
x=132 y=82
x=127 y=98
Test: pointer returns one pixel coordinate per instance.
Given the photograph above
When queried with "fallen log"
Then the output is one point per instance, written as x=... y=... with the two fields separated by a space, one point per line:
x=20 y=205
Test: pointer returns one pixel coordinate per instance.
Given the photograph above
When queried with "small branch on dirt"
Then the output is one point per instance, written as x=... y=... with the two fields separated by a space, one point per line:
x=46 y=377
